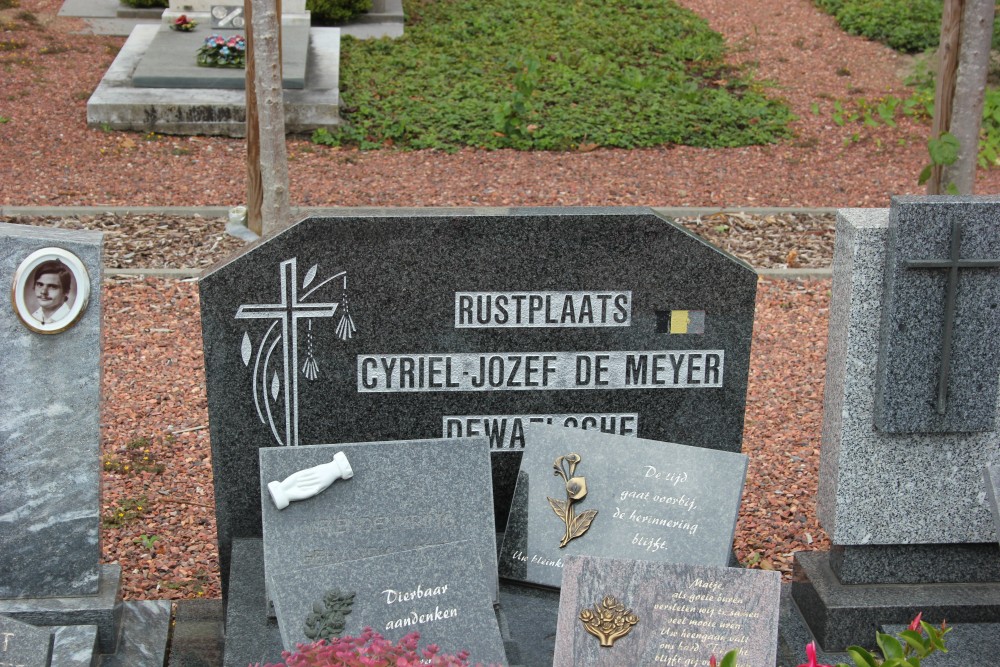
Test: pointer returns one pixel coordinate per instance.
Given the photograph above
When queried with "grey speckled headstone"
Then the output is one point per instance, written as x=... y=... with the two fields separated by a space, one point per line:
x=991 y=476
x=49 y=435
x=656 y=501
x=416 y=283
x=403 y=494
x=860 y=499
x=24 y=645
x=439 y=591
x=686 y=613
x=939 y=355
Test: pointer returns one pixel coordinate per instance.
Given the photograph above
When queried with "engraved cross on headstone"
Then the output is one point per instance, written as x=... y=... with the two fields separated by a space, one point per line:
x=939 y=354
x=288 y=312
x=953 y=264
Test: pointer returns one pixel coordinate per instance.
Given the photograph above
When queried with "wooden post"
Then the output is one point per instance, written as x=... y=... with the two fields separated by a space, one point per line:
x=267 y=158
x=970 y=93
x=944 y=93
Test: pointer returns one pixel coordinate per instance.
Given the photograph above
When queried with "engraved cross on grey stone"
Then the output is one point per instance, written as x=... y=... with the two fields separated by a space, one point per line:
x=288 y=312
x=953 y=264
x=939 y=355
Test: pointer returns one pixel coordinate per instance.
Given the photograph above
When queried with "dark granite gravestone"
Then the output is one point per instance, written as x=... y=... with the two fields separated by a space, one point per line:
x=440 y=591
x=662 y=502
x=23 y=645
x=50 y=569
x=939 y=355
x=382 y=325
x=906 y=509
x=402 y=495
x=678 y=615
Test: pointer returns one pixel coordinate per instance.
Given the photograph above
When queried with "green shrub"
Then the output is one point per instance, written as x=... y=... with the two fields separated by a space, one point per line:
x=333 y=12
x=909 y=26
x=551 y=75
x=144 y=4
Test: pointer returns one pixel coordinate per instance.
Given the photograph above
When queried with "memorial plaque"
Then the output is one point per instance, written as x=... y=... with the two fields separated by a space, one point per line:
x=23 y=645
x=939 y=355
x=442 y=592
x=677 y=615
x=593 y=494
x=385 y=325
x=401 y=495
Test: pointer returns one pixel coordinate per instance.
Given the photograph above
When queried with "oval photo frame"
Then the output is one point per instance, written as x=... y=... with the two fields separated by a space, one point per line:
x=75 y=298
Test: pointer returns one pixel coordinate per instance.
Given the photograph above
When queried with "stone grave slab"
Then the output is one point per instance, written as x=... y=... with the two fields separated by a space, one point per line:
x=380 y=325
x=677 y=614
x=170 y=61
x=662 y=502
x=403 y=494
x=50 y=458
x=991 y=475
x=24 y=645
x=939 y=357
x=442 y=592
x=859 y=501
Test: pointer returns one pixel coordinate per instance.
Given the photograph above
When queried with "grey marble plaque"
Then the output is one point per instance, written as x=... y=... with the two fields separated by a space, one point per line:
x=442 y=592
x=991 y=476
x=49 y=416
x=939 y=355
x=684 y=613
x=403 y=494
x=362 y=327
x=23 y=645
x=653 y=500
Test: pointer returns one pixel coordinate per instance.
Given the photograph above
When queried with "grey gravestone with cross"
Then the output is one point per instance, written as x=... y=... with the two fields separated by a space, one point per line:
x=909 y=421
x=380 y=325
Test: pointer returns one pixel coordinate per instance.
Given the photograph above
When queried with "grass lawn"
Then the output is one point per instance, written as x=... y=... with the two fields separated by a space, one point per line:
x=550 y=75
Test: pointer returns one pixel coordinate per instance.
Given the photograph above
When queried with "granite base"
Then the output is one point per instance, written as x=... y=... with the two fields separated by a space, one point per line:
x=102 y=610
x=198 y=639
x=967 y=643
x=840 y=615
x=925 y=563
x=144 y=633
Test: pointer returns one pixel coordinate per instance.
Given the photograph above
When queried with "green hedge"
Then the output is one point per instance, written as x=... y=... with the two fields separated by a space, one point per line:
x=335 y=12
x=145 y=4
x=909 y=26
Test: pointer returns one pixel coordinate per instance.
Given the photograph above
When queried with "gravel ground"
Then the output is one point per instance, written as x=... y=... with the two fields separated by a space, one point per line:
x=155 y=438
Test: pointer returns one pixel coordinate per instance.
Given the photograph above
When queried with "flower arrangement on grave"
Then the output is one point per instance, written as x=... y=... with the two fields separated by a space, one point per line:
x=183 y=24
x=370 y=648
x=218 y=51
x=919 y=640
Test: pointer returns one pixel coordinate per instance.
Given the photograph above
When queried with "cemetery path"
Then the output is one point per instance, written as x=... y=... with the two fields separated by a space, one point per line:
x=158 y=502
x=52 y=158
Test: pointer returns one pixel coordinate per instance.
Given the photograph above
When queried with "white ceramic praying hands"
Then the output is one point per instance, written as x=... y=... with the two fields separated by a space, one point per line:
x=309 y=482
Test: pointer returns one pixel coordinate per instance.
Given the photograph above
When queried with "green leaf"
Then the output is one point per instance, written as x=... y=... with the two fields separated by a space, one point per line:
x=944 y=149
x=861 y=657
x=891 y=648
x=729 y=660
x=914 y=639
x=925 y=174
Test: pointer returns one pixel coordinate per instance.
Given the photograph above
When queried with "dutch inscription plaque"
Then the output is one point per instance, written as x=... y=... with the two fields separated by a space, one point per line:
x=683 y=613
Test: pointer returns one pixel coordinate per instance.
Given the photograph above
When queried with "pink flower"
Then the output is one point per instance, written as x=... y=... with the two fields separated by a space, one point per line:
x=915 y=623
x=811 y=654
x=181 y=20
x=712 y=662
